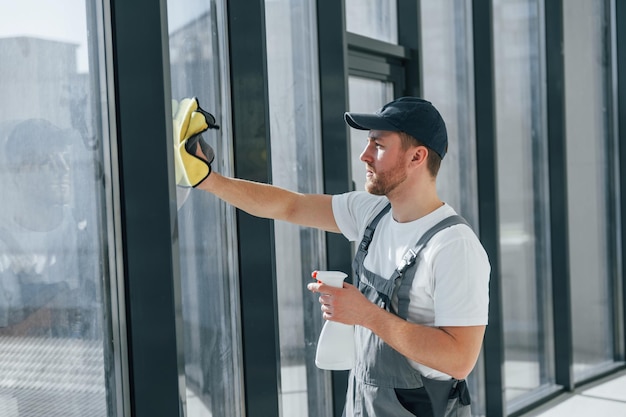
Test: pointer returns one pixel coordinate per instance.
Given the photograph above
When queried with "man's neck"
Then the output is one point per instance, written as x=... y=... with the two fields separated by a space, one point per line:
x=410 y=206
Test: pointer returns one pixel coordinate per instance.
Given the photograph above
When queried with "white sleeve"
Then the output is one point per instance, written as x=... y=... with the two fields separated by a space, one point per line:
x=354 y=210
x=461 y=283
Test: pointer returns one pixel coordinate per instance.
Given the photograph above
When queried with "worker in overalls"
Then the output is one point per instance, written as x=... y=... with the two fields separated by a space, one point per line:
x=419 y=301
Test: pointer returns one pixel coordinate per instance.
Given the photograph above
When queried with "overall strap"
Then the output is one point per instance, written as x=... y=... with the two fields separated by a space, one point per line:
x=367 y=238
x=369 y=231
x=406 y=269
x=364 y=277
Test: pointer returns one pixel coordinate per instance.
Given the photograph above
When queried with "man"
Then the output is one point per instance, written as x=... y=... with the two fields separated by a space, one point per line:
x=420 y=299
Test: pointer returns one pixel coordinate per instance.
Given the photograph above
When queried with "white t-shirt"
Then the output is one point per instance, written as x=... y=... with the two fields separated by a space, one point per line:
x=451 y=285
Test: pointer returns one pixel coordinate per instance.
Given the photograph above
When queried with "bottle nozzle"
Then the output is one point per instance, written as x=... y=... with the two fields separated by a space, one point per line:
x=332 y=278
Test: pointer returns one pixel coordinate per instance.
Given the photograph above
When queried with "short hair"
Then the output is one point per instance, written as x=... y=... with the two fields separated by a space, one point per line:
x=433 y=161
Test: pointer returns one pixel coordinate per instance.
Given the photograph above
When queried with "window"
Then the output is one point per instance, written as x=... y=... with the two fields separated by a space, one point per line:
x=373 y=18
x=589 y=189
x=296 y=165
x=523 y=200
x=366 y=96
x=207 y=244
x=448 y=83
x=56 y=241
x=447 y=74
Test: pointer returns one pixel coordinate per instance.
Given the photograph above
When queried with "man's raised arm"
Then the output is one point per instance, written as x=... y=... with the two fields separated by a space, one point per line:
x=272 y=202
x=193 y=165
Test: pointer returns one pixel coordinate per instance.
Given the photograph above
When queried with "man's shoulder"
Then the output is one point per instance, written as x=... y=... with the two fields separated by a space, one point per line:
x=361 y=203
x=361 y=197
x=458 y=224
x=355 y=210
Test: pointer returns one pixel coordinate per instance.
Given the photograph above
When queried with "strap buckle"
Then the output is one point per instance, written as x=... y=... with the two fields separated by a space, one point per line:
x=407 y=260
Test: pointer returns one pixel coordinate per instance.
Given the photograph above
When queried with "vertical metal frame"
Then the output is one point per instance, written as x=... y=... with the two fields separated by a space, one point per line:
x=251 y=133
x=612 y=175
x=333 y=76
x=119 y=383
x=484 y=85
x=559 y=219
x=409 y=36
x=620 y=91
x=543 y=271
x=146 y=189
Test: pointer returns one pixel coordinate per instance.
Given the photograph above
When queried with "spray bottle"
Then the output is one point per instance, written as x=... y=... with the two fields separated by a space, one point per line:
x=335 y=346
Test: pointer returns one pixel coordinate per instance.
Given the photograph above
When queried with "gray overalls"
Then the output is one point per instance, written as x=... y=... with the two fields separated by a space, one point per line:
x=383 y=383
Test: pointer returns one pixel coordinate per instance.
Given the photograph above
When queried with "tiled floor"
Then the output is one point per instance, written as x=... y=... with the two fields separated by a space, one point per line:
x=607 y=398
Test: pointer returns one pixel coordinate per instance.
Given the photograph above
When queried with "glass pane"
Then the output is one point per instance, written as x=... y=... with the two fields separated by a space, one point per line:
x=56 y=354
x=523 y=200
x=587 y=169
x=448 y=83
x=296 y=165
x=447 y=73
x=207 y=253
x=365 y=96
x=376 y=19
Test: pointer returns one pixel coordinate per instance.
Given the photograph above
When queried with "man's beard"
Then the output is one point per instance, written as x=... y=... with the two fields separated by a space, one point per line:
x=385 y=182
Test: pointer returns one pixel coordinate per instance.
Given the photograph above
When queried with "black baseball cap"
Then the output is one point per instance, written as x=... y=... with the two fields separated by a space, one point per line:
x=411 y=115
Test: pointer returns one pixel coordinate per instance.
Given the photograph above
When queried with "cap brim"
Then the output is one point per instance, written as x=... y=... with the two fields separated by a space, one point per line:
x=363 y=121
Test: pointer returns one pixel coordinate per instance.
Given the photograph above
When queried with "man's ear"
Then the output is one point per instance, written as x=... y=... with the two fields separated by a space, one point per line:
x=420 y=154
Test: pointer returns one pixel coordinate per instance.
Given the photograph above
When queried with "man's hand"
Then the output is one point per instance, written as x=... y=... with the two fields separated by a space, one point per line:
x=345 y=305
x=189 y=122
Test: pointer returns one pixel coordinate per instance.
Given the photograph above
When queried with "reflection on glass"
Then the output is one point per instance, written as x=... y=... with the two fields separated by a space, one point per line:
x=55 y=357
x=523 y=198
x=296 y=165
x=588 y=190
x=447 y=73
x=376 y=19
x=365 y=96
x=206 y=243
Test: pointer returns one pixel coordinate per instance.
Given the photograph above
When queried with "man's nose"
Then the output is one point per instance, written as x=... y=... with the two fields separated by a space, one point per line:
x=366 y=154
